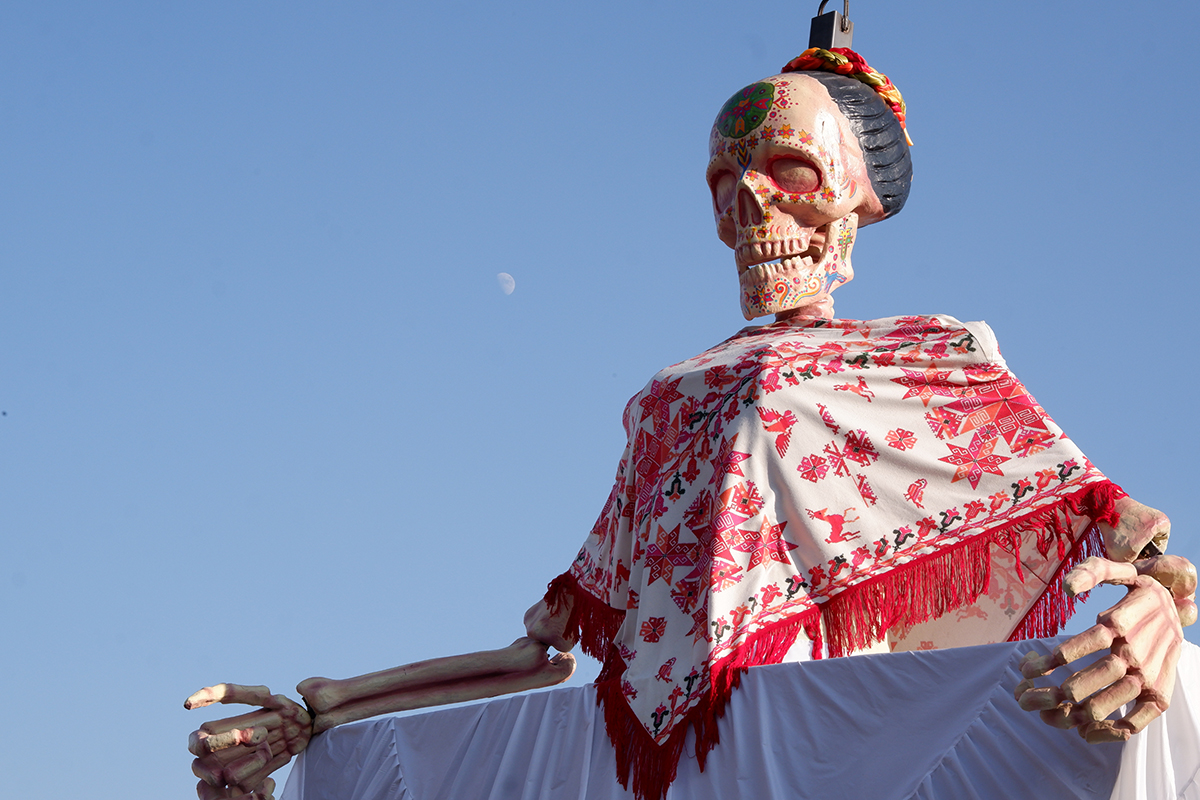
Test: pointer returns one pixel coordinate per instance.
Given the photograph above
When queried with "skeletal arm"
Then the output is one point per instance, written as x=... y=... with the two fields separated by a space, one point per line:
x=235 y=756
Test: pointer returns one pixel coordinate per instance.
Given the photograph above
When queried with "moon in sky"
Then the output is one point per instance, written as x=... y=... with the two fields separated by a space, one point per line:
x=507 y=284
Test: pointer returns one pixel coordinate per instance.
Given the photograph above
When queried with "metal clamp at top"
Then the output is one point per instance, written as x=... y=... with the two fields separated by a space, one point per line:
x=833 y=29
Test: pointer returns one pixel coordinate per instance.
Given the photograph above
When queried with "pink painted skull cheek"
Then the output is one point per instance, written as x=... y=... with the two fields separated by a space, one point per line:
x=785 y=190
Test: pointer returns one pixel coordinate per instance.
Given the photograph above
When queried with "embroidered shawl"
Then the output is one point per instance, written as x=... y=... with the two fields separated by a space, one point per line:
x=845 y=477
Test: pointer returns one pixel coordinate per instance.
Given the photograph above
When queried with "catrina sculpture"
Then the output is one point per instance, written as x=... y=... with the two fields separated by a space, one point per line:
x=807 y=488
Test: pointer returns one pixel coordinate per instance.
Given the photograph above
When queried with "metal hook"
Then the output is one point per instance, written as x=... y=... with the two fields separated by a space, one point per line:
x=832 y=29
x=845 y=13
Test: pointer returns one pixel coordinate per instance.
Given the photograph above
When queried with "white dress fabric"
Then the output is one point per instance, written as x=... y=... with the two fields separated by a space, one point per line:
x=935 y=725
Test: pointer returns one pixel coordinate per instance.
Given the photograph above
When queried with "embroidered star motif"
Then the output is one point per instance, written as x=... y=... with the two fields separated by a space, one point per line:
x=728 y=460
x=660 y=397
x=743 y=499
x=763 y=545
x=925 y=384
x=666 y=553
x=974 y=460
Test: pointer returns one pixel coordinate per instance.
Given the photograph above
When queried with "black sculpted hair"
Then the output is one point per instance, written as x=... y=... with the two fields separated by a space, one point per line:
x=880 y=136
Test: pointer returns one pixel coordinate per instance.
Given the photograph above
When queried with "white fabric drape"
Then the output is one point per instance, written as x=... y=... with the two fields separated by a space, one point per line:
x=935 y=725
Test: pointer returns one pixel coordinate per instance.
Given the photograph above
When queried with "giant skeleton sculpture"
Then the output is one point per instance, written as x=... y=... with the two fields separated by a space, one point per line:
x=806 y=488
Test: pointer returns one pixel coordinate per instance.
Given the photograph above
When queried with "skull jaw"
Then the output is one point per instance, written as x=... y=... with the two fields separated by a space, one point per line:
x=786 y=284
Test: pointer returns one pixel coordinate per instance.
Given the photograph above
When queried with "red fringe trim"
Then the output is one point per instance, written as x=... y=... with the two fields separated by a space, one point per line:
x=1051 y=611
x=768 y=645
x=651 y=766
x=928 y=587
x=923 y=589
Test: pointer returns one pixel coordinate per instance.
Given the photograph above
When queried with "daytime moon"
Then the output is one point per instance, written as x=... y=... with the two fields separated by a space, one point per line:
x=507 y=284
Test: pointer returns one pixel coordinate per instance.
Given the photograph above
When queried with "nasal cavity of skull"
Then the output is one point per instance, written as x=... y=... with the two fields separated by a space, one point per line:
x=749 y=212
x=794 y=175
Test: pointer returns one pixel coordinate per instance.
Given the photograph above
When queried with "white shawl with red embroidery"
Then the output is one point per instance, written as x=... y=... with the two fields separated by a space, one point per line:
x=858 y=473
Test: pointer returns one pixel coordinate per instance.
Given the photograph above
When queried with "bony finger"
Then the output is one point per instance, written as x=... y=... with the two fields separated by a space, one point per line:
x=222 y=758
x=208 y=773
x=1088 y=681
x=1143 y=713
x=296 y=731
x=1084 y=577
x=201 y=743
x=291 y=730
x=1106 y=701
x=1094 y=571
x=1035 y=665
x=1093 y=640
x=260 y=778
x=205 y=697
x=1103 y=732
x=228 y=693
x=238 y=771
x=254 y=719
x=1041 y=699
x=238 y=794
x=1022 y=687
x=1060 y=717
x=264 y=792
x=292 y=740
x=206 y=792
x=296 y=746
x=196 y=743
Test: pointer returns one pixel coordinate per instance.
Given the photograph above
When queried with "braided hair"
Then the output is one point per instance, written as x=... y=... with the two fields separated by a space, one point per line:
x=880 y=136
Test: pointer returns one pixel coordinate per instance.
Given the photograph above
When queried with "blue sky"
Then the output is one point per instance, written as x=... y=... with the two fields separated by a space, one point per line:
x=268 y=415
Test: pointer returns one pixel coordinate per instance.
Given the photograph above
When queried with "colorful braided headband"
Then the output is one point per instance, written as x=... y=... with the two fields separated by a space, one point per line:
x=844 y=61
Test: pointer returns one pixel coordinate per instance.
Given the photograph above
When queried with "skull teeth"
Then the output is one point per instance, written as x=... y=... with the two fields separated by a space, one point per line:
x=792 y=252
x=805 y=259
x=786 y=263
x=760 y=251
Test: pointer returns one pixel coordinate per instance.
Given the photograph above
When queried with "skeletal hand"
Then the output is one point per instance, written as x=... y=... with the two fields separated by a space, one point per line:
x=1143 y=633
x=235 y=756
x=548 y=627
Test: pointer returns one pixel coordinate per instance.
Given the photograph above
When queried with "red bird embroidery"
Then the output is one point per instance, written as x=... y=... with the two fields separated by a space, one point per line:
x=837 y=522
x=916 y=492
x=780 y=424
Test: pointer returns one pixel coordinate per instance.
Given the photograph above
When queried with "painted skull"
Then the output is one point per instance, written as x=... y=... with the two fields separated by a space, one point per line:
x=790 y=189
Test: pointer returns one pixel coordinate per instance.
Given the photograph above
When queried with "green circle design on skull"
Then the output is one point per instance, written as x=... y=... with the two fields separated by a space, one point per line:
x=746 y=110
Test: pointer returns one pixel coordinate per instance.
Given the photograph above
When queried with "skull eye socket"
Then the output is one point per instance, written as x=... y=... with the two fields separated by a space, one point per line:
x=795 y=175
x=723 y=186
